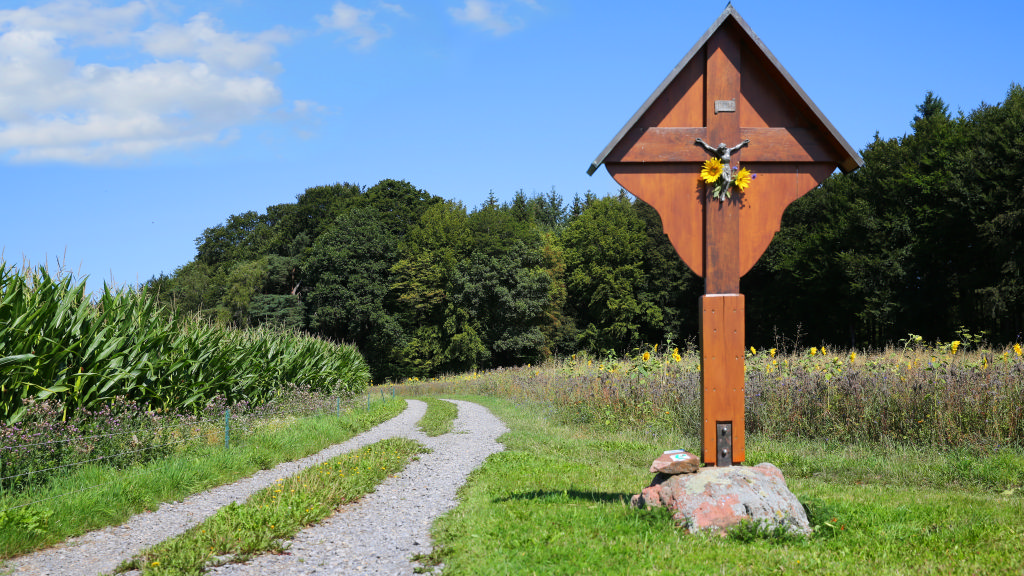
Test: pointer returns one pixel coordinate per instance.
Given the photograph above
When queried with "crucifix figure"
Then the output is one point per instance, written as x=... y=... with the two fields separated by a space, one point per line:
x=723 y=152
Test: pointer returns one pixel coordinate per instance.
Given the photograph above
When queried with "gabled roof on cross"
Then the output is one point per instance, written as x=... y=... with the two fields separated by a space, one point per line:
x=642 y=141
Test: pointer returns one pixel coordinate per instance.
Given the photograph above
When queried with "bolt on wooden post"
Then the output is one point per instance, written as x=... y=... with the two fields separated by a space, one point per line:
x=728 y=99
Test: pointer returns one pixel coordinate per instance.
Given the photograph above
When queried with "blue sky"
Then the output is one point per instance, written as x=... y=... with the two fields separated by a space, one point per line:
x=128 y=127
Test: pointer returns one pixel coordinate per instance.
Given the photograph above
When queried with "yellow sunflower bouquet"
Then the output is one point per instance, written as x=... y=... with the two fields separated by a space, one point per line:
x=724 y=178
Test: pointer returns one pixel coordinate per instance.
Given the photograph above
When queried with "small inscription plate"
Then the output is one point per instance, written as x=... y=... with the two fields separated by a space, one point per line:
x=725 y=106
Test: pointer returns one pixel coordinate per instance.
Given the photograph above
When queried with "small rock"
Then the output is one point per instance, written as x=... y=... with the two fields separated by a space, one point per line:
x=717 y=499
x=675 y=462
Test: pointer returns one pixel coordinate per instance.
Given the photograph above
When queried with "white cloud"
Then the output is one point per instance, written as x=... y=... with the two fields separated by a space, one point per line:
x=489 y=16
x=196 y=84
x=394 y=8
x=304 y=107
x=356 y=23
x=93 y=25
x=200 y=39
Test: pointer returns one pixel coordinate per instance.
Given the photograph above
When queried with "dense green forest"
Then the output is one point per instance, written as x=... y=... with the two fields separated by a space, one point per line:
x=927 y=238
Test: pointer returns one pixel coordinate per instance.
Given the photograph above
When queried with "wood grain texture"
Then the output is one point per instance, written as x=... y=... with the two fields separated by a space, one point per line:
x=675 y=191
x=722 y=334
x=792 y=149
x=788 y=152
x=660 y=145
x=721 y=218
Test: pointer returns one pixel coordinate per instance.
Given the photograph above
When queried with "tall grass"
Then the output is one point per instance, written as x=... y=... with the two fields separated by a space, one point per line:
x=932 y=395
x=122 y=434
x=57 y=342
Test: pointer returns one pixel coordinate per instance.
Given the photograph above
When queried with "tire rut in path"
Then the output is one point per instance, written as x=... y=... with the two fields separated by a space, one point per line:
x=377 y=535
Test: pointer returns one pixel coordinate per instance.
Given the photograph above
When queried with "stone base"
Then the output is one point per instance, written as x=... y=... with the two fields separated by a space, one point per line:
x=716 y=499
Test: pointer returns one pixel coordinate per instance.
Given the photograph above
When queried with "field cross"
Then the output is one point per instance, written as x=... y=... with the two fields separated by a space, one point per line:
x=728 y=88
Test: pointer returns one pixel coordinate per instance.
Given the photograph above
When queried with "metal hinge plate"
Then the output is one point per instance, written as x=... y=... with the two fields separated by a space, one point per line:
x=723 y=453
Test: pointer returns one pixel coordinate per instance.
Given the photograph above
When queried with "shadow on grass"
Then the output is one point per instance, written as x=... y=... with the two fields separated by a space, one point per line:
x=562 y=495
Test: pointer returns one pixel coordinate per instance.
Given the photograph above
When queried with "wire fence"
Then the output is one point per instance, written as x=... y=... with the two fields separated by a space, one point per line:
x=42 y=449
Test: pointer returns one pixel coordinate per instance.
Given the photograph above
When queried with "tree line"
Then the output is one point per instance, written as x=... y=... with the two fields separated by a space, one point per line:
x=927 y=238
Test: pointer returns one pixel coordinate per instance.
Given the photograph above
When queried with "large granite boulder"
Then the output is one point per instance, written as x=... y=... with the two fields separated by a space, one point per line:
x=716 y=499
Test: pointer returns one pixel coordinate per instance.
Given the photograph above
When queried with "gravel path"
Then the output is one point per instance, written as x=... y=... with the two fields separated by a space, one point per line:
x=377 y=535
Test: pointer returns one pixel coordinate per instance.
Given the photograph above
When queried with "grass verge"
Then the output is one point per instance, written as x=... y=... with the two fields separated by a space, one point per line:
x=556 y=501
x=238 y=532
x=439 y=418
x=97 y=496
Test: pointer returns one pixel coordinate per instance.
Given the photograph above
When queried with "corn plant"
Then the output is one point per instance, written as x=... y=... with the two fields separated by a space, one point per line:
x=58 y=342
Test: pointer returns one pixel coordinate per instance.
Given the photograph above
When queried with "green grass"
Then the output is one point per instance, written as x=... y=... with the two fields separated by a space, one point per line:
x=557 y=502
x=439 y=418
x=238 y=532
x=97 y=496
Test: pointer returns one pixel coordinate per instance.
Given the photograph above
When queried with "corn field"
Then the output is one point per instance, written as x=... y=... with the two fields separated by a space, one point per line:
x=60 y=343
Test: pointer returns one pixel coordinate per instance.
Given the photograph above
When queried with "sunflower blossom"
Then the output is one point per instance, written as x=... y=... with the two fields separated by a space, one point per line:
x=711 y=171
x=743 y=179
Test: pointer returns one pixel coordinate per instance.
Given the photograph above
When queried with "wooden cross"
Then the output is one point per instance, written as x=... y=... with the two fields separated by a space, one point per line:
x=728 y=89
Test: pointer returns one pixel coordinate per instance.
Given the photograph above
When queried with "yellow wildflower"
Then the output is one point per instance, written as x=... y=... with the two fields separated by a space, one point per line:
x=711 y=171
x=814 y=351
x=953 y=346
x=1017 y=350
x=647 y=356
x=772 y=352
x=753 y=351
x=853 y=356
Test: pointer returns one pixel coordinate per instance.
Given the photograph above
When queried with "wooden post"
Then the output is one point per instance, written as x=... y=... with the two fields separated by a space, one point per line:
x=721 y=362
x=722 y=316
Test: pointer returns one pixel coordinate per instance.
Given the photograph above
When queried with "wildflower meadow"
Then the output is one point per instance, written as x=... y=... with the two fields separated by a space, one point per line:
x=942 y=394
